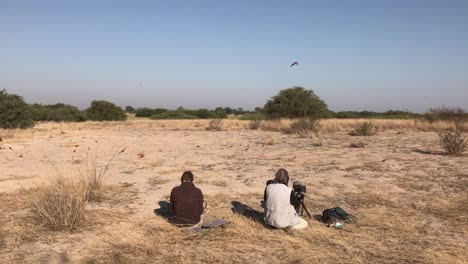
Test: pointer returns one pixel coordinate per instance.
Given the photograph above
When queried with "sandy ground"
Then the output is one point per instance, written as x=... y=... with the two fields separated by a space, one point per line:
x=407 y=168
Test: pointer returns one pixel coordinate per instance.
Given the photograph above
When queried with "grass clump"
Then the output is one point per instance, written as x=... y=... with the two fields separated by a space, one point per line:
x=454 y=140
x=366 y=129
x=215 y=124
x=304 y=127
x=93 y=177
x=60 y=204
x=255 y=124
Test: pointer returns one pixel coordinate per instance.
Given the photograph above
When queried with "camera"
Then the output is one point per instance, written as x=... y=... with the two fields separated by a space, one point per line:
x=299 y=187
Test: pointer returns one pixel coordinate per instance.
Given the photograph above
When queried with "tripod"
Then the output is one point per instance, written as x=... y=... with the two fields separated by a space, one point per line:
x=301 y=207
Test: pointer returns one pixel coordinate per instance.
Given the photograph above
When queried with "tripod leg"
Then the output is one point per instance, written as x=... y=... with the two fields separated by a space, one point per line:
x=303 y=206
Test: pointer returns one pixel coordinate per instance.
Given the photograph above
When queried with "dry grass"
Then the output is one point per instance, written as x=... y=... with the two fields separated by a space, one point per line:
x=61 y=203
x=411 y=206
x=453 y=141
x=94 y=174
x=366 y=129
x=215 y=124
x=327 y=125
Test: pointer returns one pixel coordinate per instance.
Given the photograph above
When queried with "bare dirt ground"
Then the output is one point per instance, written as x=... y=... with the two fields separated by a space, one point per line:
x=410 y=198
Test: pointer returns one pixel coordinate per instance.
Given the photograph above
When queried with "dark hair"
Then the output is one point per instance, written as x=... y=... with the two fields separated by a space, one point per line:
x=282 y=176
x=187 y=176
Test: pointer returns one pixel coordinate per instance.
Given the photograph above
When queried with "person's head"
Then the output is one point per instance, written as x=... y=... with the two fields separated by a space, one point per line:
x=282 y=176
x=187 y=176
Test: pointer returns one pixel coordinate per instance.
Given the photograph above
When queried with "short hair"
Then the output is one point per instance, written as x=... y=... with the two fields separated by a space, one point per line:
x=187 y=176
x=282 y=176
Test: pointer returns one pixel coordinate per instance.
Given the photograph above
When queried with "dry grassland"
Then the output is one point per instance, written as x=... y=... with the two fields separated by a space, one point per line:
x=410 y=198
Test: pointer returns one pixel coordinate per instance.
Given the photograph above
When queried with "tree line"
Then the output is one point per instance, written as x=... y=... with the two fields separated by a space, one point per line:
x=294 y=102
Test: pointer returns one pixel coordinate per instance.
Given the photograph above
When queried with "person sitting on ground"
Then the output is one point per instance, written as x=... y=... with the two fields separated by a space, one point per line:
x=187 y=202
x=280 y=202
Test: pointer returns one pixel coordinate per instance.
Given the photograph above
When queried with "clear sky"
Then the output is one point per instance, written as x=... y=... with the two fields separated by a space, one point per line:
x=355 y=54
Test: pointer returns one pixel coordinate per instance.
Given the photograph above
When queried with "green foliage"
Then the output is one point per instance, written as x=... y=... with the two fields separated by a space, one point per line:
x=295 y=102
x=255 y=116
x=391 y=114
x=14 y=112
x=129 y=109
x=57 y=112
x=105 y=111
x=148 y=112
x=174 y=115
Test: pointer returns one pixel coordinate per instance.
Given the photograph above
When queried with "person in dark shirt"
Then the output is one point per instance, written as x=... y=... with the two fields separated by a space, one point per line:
x=187 y=202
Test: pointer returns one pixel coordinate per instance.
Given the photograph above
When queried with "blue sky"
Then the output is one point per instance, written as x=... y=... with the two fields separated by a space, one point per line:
x=356 y=55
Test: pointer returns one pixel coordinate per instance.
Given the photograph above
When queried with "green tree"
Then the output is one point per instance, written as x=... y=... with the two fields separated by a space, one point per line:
x=105 y=111
x=295 y=102
x=14 y=112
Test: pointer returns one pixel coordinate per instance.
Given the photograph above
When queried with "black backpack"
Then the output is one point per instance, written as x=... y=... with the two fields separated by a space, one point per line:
x=336 y=214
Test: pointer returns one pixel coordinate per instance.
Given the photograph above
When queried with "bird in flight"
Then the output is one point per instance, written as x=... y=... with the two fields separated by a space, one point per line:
x=294 y=63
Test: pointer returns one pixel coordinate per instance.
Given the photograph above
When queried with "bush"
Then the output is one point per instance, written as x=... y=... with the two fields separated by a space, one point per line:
x=148 y=112
x=57 y=112
x=14 y=112
x=255 y=116
x=255 y=124
x=304 y=127
x=105 y=111
x=60 y=204
x=215 y=124
x=364 y=129
x=455 y=114
x=295 y=102
x=453 y=141
x=174 y=115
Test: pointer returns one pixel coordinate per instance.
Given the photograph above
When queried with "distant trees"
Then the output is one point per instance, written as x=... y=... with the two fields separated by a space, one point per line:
x=57 y=112
x=14 y=112
x=129 y=109
x=101 y=110
x=295 y=102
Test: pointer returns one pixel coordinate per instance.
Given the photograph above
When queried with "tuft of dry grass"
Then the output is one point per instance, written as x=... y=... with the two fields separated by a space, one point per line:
x=215 y=124
x=60 y=204
x=94 y=176
x=255 y=124
x=304 y=127
x=366 y=129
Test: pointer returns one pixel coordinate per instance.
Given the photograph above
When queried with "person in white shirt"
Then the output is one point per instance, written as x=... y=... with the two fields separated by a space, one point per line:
x=280 y=202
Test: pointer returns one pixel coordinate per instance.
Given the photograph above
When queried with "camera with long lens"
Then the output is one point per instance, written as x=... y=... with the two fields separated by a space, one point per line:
x=299 y=190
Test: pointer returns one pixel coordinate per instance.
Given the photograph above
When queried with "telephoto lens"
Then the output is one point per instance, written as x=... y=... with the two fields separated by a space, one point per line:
x=299 y=187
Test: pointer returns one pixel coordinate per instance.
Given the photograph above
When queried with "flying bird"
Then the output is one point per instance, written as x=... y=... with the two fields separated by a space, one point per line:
x=294 y=63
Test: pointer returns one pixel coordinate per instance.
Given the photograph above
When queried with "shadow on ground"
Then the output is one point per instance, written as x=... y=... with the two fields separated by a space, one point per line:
x=247 y=211
x=164 y=210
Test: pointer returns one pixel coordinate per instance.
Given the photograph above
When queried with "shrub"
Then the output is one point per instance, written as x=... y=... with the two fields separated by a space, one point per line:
x=14 y=112
x=304 y=127
x=295 y=102
x=255 y=124
x=255 y=116
x=105 y=111
x=455 y=114
x=57 y=112
x=174 y=115
x=215 y=124
x=60 y=204
x=364 y=129
x=453 y=141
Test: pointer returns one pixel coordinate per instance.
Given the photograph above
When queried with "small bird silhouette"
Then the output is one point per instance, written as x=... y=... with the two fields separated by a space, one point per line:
x=294 y=63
